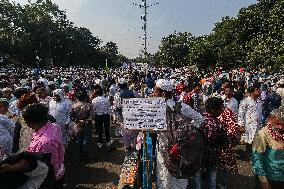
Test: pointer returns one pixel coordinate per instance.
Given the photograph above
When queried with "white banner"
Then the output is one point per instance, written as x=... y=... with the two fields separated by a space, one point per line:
x=144 y=114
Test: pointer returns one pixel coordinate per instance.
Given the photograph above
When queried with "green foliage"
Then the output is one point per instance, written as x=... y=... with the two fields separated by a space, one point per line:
x=255 y=38
x=174 y=49
x=40 y=33
x=201 y=53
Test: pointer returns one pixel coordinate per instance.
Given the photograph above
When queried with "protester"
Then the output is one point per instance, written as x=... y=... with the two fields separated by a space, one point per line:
x=13 y=106
x=101 y=107
x=7 y=93
x=25 y=171
x=25 y=132
x=271 y=102
x=214 y=138
x=42 y=96
x=47 y=138
x=249 y=118
x=129 y=137
x=268 y=152
x=280 y=90
x=60 y=108
x=82 y=114
x=228 y=162
x=240 y=91
x=194 y=97
x=165 y=179
x=229 y=101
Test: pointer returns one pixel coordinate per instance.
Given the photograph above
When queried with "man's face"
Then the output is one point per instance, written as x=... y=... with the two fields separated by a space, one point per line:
x=158 y=92
x=57 y=98
x=41 y=94
x=197 y=89
x=225 y=85
x=257 y=92
x=51 y=87
x=3 y=109
x=7 y=94
x=277 y=123
x=228 y=92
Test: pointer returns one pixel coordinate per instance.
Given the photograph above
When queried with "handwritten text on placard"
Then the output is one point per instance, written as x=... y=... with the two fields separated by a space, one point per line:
x=144 y=114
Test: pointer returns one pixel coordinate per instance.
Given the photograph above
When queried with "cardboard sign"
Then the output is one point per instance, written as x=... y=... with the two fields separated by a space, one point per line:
x=144 y=114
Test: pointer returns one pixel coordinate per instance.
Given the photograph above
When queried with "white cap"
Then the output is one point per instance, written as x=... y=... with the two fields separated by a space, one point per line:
x=122 y=81
x=164 y=84
x=7 y=89
x=50 y=83
x=281 y=82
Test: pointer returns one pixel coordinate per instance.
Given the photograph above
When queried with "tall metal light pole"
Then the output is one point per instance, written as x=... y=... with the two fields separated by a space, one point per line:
x=144 y=27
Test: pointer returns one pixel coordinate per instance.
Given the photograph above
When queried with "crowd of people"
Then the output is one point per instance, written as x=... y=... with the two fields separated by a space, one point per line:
x=43 y=109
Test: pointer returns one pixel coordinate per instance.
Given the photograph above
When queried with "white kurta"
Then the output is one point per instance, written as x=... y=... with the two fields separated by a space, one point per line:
x=164 y=179
x=61 y=112
x=250 y=113
x=280 y=91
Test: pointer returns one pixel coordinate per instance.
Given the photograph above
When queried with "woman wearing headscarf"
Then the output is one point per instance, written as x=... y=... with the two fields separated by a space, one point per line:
x=60 y=108
x=268 y=152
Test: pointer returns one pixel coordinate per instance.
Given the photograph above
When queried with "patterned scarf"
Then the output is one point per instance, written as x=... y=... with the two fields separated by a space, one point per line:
x=274 y=133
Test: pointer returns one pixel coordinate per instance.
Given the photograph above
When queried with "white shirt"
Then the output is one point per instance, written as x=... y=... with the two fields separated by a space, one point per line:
x=250 y=113
x=60 y=111
x=101 y=105
x=112 y=90
x=280 y=91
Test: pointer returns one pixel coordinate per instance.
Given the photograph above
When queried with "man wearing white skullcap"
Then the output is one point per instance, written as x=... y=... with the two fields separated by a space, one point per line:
x=165 y=180
x=280 y=90
x=60 y=108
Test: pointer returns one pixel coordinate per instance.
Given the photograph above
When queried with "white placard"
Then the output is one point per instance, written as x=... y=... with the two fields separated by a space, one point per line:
x=144 y=114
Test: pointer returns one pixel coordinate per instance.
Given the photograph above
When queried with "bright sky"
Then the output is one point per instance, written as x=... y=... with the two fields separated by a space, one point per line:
x=119 y=20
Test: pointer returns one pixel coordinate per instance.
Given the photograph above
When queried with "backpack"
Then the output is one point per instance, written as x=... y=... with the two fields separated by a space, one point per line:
x=184 y=150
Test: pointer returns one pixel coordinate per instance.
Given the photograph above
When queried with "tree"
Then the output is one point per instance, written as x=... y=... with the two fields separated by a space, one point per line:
x=252 y=39
x=174 y=49
x=41 y=30
x=201 y=53
x=110 y=49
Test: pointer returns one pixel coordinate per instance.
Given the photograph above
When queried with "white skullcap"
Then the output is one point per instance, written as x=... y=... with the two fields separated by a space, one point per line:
x=59 y=92
x=7 y=89
x=165 y=85
x=122 y=81
x=50 y=83
x=281 y=82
